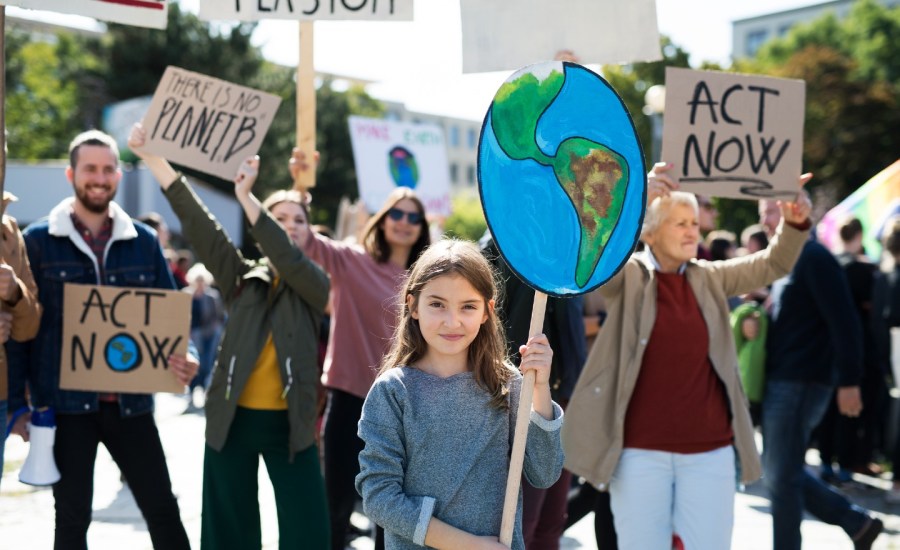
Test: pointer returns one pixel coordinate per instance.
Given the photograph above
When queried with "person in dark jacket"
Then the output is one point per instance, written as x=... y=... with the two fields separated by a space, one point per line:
x=262 y=399
x=851 y=441
x=813 y=345
x=89 y=239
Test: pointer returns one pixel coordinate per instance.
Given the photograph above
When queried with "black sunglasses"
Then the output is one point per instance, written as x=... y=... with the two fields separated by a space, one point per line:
x=412 y=217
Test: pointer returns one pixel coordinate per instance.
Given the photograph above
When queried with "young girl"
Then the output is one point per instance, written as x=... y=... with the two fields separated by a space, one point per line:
x=262 y=399
x=438 y=422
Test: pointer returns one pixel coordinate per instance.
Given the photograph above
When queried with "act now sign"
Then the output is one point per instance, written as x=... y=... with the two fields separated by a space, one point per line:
x=119 y=339
x=734 y=135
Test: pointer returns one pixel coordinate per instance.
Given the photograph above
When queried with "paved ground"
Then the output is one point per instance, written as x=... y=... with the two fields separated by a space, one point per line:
x=26 y=513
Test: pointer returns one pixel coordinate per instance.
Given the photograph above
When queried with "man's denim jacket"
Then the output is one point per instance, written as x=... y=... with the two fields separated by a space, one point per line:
x=58 y=255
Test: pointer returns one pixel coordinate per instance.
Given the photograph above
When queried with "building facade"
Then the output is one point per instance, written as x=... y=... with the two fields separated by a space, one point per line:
x=749 y=34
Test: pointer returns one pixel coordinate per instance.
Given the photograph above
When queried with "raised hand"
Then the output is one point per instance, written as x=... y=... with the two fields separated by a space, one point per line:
x=299 y=162
x=246 y=176
x=798 y=210
x=659 y=183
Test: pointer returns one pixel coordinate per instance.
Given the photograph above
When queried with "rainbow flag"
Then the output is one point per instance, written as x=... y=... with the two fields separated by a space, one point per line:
x=876 y=202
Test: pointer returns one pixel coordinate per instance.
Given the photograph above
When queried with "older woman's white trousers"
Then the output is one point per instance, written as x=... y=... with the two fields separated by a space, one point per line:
x=654 y=494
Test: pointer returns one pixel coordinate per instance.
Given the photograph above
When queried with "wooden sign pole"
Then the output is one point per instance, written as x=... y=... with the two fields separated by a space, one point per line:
x=306 y=105
x=523 y=419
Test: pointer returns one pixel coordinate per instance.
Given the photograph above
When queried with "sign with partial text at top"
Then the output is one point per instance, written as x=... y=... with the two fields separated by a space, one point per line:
x=140 y=13
x=498 y=36
x=118 y=339
x=205 y=123
x=390 y=154
x=308 y=10
x=734 y=135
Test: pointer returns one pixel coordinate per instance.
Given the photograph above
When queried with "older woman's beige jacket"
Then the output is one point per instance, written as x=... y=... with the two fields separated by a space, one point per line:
x=593 y=430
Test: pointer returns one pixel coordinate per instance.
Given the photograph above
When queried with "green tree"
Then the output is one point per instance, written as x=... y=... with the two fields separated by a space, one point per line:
x=46 y=83
x=137 y=57
x=852 y=76
x=631 y=82
x=467 y=220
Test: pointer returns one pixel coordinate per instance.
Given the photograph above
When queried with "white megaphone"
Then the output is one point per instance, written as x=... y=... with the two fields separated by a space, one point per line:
x=40 y=467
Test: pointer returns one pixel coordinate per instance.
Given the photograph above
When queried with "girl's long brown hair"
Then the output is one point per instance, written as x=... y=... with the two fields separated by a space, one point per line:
x=373 y=233
x=487 y=356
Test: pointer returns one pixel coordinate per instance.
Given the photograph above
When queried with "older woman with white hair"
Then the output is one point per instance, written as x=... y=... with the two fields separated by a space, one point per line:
x=658 y=413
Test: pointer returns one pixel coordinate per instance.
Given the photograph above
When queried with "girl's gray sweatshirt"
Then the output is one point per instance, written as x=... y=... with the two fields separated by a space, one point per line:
x=435 y=447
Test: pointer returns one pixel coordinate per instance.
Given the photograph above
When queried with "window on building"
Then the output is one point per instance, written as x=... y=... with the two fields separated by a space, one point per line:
x=755 y=40
x=454 y=173
x=471 y=138
x=454 y=136
x=784 y=29
x=470 y=175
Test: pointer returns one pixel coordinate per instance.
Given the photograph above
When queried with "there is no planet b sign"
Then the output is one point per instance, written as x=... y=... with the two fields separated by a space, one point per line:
x=561 y=177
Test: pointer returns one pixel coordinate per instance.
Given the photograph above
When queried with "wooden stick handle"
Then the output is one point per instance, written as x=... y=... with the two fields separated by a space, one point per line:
x=523 y=419
x=306 y=105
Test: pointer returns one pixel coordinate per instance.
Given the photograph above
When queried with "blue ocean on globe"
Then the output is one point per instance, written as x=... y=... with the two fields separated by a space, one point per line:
x=122 y=353
x=531 y=217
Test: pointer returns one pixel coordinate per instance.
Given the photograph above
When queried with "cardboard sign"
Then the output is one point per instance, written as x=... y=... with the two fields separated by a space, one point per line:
x=141 y=13
x=561 y=178
x=499 y=36
x=390 y=154
x=119 y=339
x=733 y=135
x=205 y=123
x=254 y=10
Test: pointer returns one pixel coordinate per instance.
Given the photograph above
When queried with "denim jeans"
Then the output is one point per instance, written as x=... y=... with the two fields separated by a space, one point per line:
x=207 y=345
x=3 y=437
x=791 y=410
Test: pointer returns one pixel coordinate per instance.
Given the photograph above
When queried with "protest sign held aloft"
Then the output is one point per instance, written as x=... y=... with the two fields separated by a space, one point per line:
x=499 y=36
x=141 y=13
x=390 y=154
x=254 y=10
x=205 y=123
x=119 y=339
x=734 y=135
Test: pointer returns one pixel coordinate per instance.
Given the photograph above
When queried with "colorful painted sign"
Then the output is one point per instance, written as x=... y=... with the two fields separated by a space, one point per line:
x=255 y=10
x=875 y=203
x=733 y=135
x=119 y=339
x=390 y=154
x=499 y=36
x=206 y=123
x=561 y=176
x=140 y=13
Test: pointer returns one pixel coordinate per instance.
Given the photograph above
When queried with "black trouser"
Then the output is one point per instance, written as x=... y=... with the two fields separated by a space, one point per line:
x=588 y=500
x=341 y=447
x=134 y=445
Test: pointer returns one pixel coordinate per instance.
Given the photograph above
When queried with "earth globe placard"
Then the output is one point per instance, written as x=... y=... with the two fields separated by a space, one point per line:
x=561 y=177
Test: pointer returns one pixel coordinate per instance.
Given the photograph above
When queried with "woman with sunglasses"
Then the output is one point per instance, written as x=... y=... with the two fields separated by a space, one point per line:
x=365 y=279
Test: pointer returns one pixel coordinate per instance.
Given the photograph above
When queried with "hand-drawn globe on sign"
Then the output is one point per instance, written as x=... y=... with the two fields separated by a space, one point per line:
x=561 y=177
x=122 y=353
x=404 y=168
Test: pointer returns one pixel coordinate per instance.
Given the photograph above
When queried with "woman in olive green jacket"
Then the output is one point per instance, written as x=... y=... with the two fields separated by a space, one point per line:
x=262 y=399
x=658 y=414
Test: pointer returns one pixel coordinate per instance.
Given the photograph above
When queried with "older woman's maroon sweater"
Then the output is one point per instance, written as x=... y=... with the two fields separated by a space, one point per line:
x=679 y=404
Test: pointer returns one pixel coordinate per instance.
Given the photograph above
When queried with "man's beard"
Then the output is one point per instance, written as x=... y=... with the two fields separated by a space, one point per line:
x=81 y=195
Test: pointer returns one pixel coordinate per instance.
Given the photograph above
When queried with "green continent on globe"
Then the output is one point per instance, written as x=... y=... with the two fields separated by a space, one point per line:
x=594 y=177
x=518 y=107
